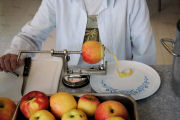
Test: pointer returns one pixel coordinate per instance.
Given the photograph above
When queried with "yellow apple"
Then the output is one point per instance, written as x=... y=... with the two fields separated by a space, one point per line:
x=88 y=104
x=115 y=118
x=74 y=114
x=7 y=108
x=42 y=115
x=92 y=52
x=111 y=108
x=61 y=103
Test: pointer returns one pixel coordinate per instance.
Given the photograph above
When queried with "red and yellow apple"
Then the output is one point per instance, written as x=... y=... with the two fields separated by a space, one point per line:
x=42 y=115
x=7 y=108
x=61 y=103
x=115 y=118
x=92 y=52
x=88 y=104
x=33 y=102
x=111 y=108
x=74 y=114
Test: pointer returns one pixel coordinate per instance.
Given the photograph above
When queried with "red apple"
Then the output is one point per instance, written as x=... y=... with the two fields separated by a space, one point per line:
x=111 y=108
x=92 y=52
x=88 y=104
x=33 y=102
x=61 y=103
x=7 y=108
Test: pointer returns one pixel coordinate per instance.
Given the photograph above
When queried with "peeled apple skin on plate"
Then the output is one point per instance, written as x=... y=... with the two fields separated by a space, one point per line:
x=92 y=52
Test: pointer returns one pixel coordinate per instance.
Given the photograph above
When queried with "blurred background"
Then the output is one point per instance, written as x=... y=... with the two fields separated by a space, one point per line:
x=15 y=13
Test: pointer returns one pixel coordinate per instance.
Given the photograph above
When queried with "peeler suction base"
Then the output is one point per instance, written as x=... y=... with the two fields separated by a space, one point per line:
x=75 y=80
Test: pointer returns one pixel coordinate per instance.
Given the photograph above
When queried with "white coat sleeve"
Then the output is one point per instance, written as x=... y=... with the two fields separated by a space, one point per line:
x=36 y=31
x=143 y=43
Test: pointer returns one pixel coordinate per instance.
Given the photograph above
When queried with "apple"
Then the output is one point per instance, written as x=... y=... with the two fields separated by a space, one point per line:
x=33 y=102
x=42 y=115
x=74 y=114
x=88 y=104
x=61 y=103
x=111 y=108
x=115 y=118
x=7 y=108
x=92 y=52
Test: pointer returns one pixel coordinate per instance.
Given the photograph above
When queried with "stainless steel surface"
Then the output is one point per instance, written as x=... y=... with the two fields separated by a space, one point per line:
x=175 y=51
x=176 y=75
x=70 y=71
x=177 y=41
x=128 y=101
x=176 y=62
x=164 y=42
x=84 y=70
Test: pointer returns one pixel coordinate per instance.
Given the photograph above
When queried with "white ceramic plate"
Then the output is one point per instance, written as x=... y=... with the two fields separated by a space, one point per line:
x=144 y=81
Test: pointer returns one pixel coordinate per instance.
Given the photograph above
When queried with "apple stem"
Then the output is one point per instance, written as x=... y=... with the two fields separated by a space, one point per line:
x=1 y=106
x=71 y=116
x=111 y=110
x=30 y=98
x=37 y=117
x=90 y=98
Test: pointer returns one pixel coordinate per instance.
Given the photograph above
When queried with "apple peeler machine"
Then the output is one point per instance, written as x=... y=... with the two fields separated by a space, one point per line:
x=72 y=76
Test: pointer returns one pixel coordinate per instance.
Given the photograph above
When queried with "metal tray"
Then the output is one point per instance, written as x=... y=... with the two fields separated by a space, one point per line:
x=128 y=101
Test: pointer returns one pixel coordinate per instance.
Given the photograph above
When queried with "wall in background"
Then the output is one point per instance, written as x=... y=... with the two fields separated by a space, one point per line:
x=15 y=13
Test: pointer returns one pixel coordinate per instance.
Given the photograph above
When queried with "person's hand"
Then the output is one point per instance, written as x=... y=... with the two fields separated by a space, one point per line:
x=8 y=63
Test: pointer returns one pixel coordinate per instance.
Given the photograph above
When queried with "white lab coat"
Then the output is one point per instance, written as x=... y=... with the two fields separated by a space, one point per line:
x=124 y=28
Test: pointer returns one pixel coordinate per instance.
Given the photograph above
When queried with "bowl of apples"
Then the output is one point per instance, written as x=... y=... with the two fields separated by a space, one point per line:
x=81 y=106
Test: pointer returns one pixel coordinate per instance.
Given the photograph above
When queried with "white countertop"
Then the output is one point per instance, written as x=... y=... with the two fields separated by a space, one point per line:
x=10 y=85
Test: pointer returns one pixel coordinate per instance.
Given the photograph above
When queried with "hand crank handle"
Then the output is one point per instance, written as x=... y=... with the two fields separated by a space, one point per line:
x=52 y=52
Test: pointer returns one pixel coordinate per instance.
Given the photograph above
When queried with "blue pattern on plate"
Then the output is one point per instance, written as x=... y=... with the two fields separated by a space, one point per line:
x=139 y=89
